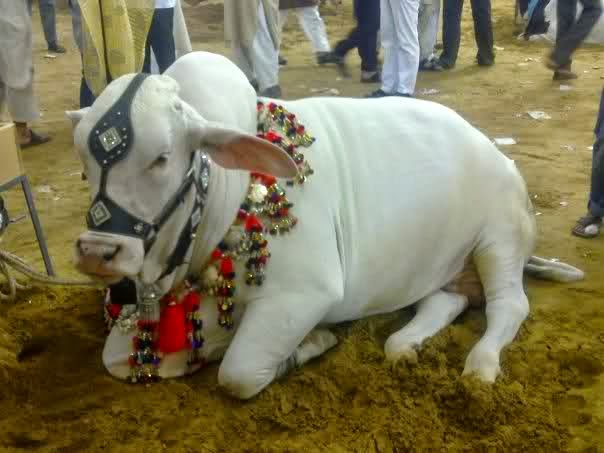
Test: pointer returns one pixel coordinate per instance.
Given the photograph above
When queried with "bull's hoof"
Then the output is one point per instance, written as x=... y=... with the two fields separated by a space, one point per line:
x=483 y=362
x=403 y=354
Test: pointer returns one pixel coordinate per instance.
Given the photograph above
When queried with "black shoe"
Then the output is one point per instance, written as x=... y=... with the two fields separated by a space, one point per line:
x=375 y=77
x=432 y=64
x=485 y=61
x=443 y=64
x=378 y=94
x=282 y=61
x=326 y=58
x=56 y=48
x=403 y=95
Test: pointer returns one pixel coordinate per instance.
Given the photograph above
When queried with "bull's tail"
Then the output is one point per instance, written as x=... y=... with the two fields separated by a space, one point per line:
x=552 y=270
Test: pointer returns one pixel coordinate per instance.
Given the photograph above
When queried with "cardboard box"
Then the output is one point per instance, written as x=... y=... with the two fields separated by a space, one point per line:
x=10 y=159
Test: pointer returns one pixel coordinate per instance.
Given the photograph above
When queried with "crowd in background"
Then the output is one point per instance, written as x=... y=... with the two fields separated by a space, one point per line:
x=405 y=29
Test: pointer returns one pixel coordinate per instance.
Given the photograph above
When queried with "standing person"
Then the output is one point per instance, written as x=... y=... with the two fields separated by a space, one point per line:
x=364 y=38
x=161 y=37
x=253 y=33
x=590 y=225
x=570 y=34
x=401 y=48
x=429 y=14
x=48 y=17
x=483 y=33
x=311 y=22
x=17 y=71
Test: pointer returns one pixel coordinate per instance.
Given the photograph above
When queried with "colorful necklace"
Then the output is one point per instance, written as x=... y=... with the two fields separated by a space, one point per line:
x=265 y=209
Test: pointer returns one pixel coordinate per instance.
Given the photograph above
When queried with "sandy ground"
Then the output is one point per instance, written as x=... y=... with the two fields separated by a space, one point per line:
x=56 y=395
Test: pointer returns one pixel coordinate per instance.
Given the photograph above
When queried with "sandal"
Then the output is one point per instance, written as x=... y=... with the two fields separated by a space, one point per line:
x=588 y=227
x=35 y=140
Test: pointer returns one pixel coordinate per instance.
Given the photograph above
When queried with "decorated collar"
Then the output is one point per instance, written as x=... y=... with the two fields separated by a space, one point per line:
x=265 y=212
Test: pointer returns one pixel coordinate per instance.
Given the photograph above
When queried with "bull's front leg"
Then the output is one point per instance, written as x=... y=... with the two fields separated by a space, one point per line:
x=274 y=336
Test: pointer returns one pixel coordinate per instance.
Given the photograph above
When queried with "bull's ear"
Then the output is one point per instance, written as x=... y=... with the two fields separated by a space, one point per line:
x=237 y=150
x=76 y=115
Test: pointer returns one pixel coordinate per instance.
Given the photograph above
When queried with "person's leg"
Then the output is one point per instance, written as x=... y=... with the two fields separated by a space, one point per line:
x=451 y=32
x=590 y=225
x=388 y=30
x=49 y=25
x=23 y=109
x=570 y=35
x=483 y=31
x=265 y=58
x=427 y=26
x=405 y=15
x=161 y=39
x=76 y=23
x=369 y=25
x=314 y=28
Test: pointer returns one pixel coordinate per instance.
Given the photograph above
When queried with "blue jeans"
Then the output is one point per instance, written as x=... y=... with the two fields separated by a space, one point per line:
x=596 y=197
x=48 y=19
x=161 y=40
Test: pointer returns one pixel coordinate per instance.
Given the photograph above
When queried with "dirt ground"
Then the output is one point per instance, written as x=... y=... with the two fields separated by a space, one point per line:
x=56 y=396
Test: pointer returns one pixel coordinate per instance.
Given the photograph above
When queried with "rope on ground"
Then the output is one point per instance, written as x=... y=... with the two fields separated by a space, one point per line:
x=9 y=261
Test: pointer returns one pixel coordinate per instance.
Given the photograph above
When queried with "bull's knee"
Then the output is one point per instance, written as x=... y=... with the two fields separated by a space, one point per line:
x=243 y=383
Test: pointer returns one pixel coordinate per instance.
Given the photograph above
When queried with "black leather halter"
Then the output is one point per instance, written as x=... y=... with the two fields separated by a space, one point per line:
x=109 y=142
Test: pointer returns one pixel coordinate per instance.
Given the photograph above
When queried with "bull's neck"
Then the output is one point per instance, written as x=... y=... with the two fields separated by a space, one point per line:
x=227 y=190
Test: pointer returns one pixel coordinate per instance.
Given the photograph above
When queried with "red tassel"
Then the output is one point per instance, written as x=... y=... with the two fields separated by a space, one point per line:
x=172 y=329
x=113 y=310
x=191 y=302
x=226 y=267
x=252 y=223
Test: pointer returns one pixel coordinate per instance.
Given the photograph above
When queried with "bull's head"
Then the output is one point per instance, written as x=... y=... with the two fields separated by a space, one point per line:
x=149 y=156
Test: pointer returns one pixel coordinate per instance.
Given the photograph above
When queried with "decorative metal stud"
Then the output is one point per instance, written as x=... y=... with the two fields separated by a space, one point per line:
x=99 y=213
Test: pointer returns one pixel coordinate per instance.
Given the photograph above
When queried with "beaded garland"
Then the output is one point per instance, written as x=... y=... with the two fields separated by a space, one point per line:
x=265 y=209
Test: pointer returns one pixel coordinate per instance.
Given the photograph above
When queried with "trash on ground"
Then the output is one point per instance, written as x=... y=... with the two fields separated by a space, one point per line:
x=538 y=115
x=505 y=141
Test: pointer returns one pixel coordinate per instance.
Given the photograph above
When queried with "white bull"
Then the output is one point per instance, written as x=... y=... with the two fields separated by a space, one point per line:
x=404 y=193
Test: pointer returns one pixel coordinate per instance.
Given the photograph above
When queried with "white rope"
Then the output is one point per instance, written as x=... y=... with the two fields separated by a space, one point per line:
x=9 y=261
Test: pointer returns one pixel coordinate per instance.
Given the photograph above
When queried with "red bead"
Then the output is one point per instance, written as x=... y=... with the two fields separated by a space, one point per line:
x=300 y=130
x=241 y=214
x=267 y=180
x=272 y=137
x=283 y=212
x=226 y=267
x=131 y=361
x=263 y=259
x=113 y=310
x=216 y=255
x=253 y=224
x=272 y=107
x=291 y=117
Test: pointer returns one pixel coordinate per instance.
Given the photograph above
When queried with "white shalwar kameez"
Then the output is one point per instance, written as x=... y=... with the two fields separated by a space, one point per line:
x=254 y=39
x=311 y=22
x=401 y=45
x=16 y=65
x=429 y=14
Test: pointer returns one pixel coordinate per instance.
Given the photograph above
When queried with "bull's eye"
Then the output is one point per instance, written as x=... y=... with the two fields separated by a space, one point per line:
x=161 y=161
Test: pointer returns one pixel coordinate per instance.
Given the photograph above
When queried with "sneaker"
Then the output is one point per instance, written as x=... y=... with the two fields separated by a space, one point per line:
x=271 y=92
x=282 y=61
x=564 y=72
x=371 y=77
x=378 y=94
x=56 y=48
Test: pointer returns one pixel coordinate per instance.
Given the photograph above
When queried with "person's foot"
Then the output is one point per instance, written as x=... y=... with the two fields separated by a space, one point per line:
x=282 y=61
x=326 y=58
x=55 y=47
x=271 y=92
x=588 y=227
x=443 y=64
x=432 y=64
x=29 y=138
x=371 y=77
x=379 y=93
x=485 y=61
x=341 y=65
x=564 y=72
x=402 y=95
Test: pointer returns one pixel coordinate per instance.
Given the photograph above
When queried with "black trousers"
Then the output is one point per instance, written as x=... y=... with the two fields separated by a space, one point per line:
x=161 y=40
x=483 y=30
x=364 y=36
x=570 y=34
x=596 y=196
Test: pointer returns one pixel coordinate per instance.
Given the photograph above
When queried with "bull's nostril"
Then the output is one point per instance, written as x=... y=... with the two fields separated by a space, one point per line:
x=110 y=255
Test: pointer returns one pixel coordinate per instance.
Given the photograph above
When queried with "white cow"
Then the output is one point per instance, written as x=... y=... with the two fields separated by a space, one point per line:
x=404 y=192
